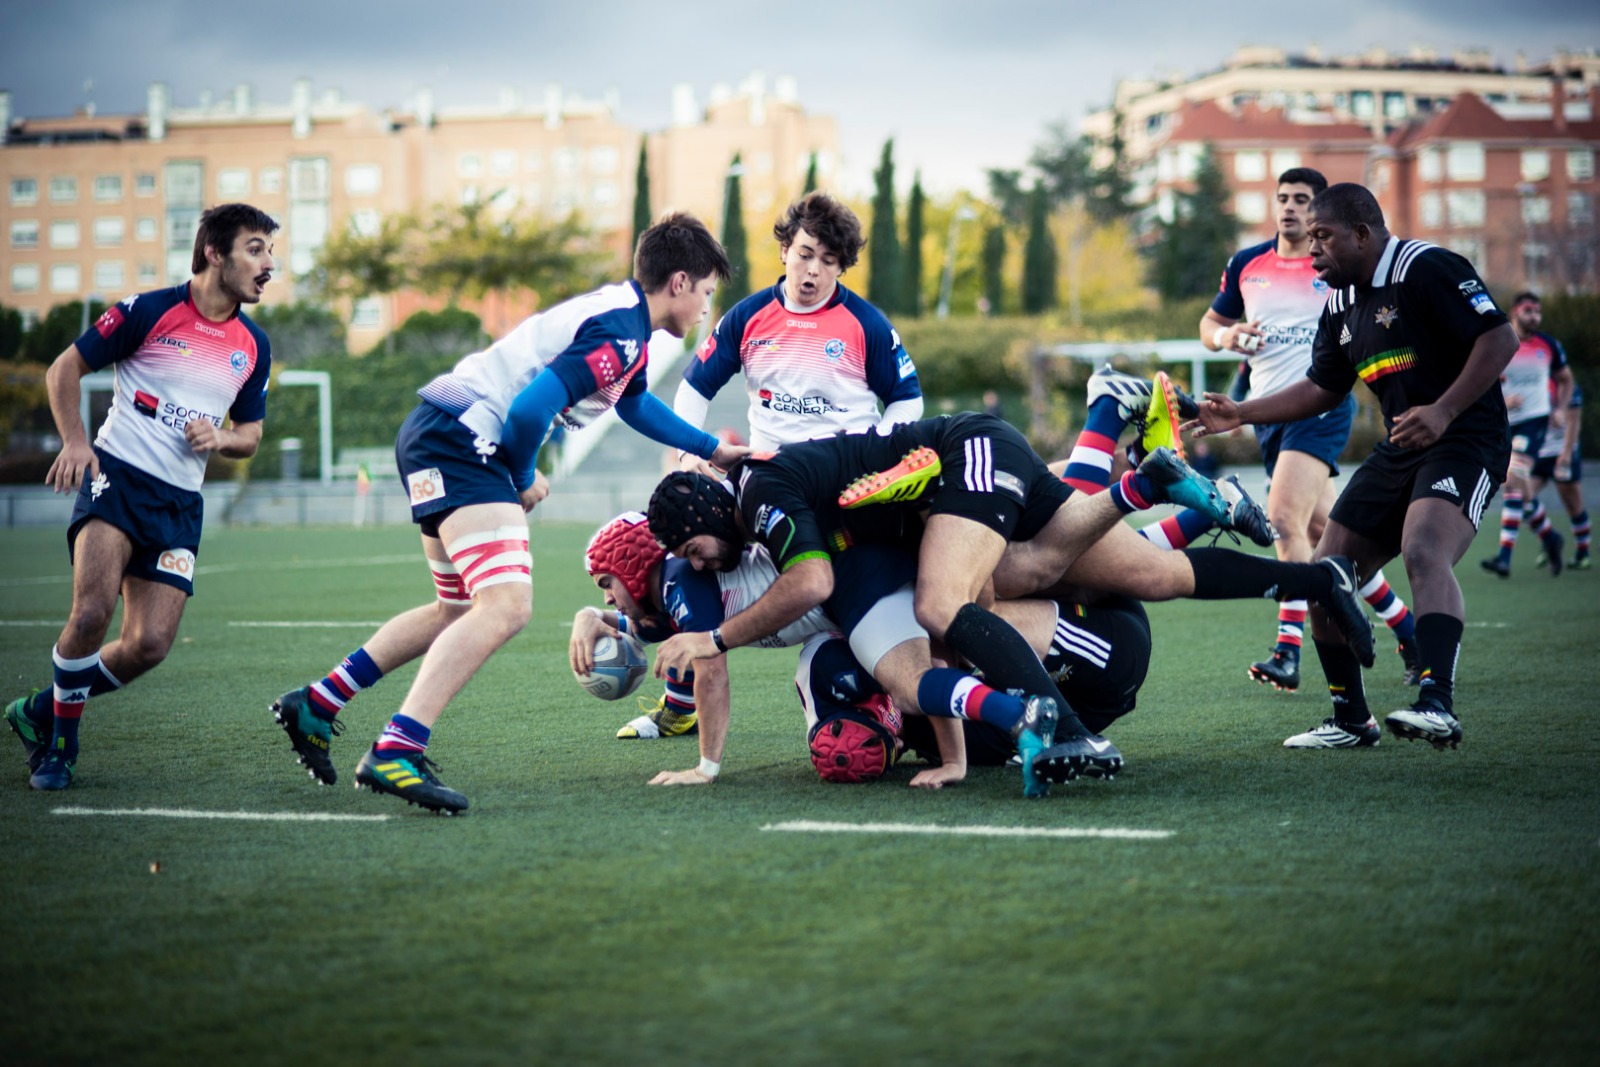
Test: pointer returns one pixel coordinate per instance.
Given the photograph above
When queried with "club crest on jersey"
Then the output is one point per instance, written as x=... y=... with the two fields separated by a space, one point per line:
x=237 y=360
x=145 y=404
x=98 y=486
x=107 y=324
x=1318 y=285
x=834 y=349
x=1386 y=316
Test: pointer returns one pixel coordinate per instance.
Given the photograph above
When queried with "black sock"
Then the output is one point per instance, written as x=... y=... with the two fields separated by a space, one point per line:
x=1223 y=574
x=1007 y=661
x=1438 y=648
x=1344 y=682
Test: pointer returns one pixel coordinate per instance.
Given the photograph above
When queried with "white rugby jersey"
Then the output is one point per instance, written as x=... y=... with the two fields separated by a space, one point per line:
x=174 y=365
x=597 y=342
x=746 y=583
x=1286 y=296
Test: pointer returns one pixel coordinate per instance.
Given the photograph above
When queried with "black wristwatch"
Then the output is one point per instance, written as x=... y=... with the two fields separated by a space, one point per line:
x=716 y=639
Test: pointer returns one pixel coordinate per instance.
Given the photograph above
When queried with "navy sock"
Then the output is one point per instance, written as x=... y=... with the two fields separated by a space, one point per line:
x=951 y=693
x=404 y=734
x=993 y=646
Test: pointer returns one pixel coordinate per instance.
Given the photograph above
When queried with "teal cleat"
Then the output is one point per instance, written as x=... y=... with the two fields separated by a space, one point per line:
x=410 y=777
x=1035 y=732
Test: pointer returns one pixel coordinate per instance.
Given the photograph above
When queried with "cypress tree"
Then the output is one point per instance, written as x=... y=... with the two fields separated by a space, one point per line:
x=811 y=175
x=642 y=216
x=994 y=261
x=1038 y=256
x=737 y=287
x=884 y=284
x=911 y=303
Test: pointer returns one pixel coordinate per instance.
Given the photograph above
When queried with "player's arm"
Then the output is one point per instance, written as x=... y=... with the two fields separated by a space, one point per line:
x=713 y=704
x=804 y=585
x=891 y=375
x=589 y=625
x=1219 y=413
x=1565 y=383
x=64 y=382
x=1420 y=427
x=1569 y=446
x=952 y=755
x=643 y=411
x=239 y=441
x=1220 y=328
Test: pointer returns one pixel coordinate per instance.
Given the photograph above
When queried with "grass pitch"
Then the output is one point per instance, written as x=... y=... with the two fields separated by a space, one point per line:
x=1397 y=905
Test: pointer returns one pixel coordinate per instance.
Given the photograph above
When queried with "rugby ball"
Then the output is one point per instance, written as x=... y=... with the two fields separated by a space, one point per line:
x=619 y=667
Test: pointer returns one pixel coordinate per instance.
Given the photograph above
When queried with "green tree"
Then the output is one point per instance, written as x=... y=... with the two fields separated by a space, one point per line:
x=1005 y=189
x=469 y=252
x=1039 y=255
x=354 y=266
x=10 y=332
x=994 y=263
x=911 y=302
x=885 y=265
x=1062 y=162
x=1111 y=186
x=734 y=241
x=642 y=215
x=450 y=333
x=60 y=327
x=300 y=332
x=1199 y=237
x=811 y=175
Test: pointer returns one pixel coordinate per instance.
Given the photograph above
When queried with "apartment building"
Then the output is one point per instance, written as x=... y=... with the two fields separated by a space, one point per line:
x=1497 y=165
x=108 y=204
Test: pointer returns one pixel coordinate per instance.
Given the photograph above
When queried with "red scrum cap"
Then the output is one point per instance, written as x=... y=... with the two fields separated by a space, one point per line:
x=626 y=548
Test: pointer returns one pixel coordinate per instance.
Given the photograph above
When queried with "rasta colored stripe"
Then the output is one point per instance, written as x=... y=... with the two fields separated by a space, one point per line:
x=1386 y=363
x=839 y=540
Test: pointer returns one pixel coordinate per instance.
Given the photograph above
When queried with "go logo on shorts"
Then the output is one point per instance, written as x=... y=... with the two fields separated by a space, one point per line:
x=425 y=485
x=177 y=561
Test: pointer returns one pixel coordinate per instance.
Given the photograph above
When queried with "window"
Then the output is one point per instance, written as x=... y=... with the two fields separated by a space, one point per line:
x=1284 y=159
x=363 y=179
x=1431 y=210
x=182 y=225
x=1468 y=248
x=503 y=162
x=1250 y=166
x=64 y=233
x=24 y=191
x=1465 y=209
x=567 y=161
x=1535 y=210
x=532 y=161
x=233 y=181
x=270 y=180
x=308 y=229
x=1535 y=260
x=470 y=166
x=1250 y=207
x=24 y=233
x=1463 y=161
x=148 y=275
x=1535 y=164
x=108 y=187
x=65 y=278
x=1430 y=165
x=365 y=223
x=603 y=160
x=603 y=193
x=530 y=194
x=144 y=185
x=25 y=278
x=1362 y=105
x=1580 y=164
x=183 y=183
x=366 y=314
x=1394 y=106
x=63 y=190
x=108 y=230
x=109 y=276
x=1580 y=209
x=145 y=228
x=308 y=179
x=177 y=267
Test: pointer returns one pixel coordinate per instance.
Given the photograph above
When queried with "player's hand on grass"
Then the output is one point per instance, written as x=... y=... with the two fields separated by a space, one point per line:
x=1419 y=427
x=727 y=455
x=536 y=492
x=675 y=656
x=692 y=776
x=1218 y=414
x=66 y=473
x=588 y=626
x=938 y=777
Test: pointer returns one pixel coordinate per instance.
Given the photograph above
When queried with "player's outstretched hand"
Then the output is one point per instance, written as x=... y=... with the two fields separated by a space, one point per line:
x=676 y=655
x=727 y=455
x=588 y=626
x=1218 y=414
x=938 y=777
x=76 y=459
x=692 y=776
x=1419 y=427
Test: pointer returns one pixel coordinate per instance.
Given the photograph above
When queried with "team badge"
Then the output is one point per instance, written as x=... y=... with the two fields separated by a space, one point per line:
x=833 y=349
x=1386 y=316
x=1318 y=285
x=238 y=361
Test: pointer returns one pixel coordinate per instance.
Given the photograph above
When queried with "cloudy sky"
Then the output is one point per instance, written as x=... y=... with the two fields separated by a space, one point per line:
x=958 y=90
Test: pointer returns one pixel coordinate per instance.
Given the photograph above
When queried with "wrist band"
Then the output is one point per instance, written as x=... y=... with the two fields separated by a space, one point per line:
x=716 y=639
x=1216 y=338
x=709 y=767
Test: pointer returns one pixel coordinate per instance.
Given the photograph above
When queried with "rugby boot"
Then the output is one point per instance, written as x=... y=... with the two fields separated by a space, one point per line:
x=1412 y=659
x=23 y=716
x=905 y=481
x=1281 y=671
x=1132 y=394
x=1553 y=544
x=1178 y=483
x=310 y=733
x=658 y=721
x=1034 y=733
x=1496 y=565
x=1582 y=562
x=409 y=776
x=1345 y=609
x=1244 y=515
x=1335 y=734
x=55 y=771
x=1166 y=411
x=1426 y=721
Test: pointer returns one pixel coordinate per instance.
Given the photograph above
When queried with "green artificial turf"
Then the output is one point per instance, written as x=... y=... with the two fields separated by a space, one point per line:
x=1393 y=906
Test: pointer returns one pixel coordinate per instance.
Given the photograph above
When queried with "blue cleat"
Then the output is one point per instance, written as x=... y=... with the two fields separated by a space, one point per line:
x=55 y=772
x=1034 y=733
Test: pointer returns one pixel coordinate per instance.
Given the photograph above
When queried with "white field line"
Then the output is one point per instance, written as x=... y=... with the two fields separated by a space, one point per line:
x=239 y=816
x=806 y=827
x=230 y=568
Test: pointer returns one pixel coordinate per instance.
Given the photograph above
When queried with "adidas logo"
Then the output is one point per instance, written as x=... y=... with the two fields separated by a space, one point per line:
x=1344 y=334
x=1447 y=485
